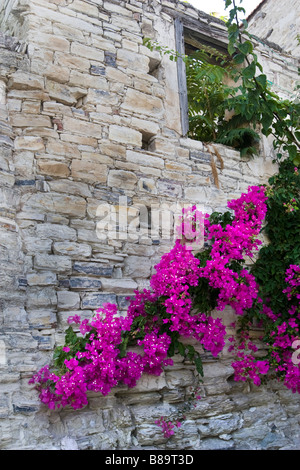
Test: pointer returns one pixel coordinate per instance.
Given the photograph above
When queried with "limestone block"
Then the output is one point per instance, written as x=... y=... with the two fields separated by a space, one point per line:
x=79 y=139
x=132 y=60
x=97 y=157
x=78 y=126
x=58 y=203
x=122 y=179
x=125 y=135
x=65 y=149
x=85 y=80
x=93 y=268
x=64 y=93
x=89 y=171
x=49 y=41
x=117 y=75
x=54 y=262
x=146 y=127
x=74 y=250
x=67 y=300
x=45 y=278
x=125 y=24
x=169 y=188
x=34 y=245
x=89 y=234
x=87 y=52
x=85 y=283
x=196 y=194
x=75 y=188
x=118 y=285
x=30 y=120
x=95 y=301
x=142 y=103
x=83 y=7
x=31 y=106
x=24 y=81
x=143 y=158
x=72 y=61
x=176 y=166
x=41 y=318
x=56 y=232
x=32 y=143
x=147 y=185
x=53 y=168
x=137 y=267
x=162 y=146
x=41 y=297
x=57 y=73
x=112 y=149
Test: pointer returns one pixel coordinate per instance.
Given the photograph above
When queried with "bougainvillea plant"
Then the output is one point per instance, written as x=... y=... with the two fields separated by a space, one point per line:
x=110 y=349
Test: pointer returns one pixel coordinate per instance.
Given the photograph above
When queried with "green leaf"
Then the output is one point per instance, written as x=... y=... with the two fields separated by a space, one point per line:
x=266 y=121
x=199 y=366
x=249 y=71
x=239 y=58
x=181 y=349
x=262 y=80
x=296 y=160
x=245 y=47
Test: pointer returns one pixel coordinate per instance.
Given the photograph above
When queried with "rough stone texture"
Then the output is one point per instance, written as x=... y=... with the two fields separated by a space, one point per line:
x=90 y=146
x=278 y=22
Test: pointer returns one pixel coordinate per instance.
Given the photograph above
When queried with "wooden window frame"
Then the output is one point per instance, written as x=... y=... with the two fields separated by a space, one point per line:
x=198 y=32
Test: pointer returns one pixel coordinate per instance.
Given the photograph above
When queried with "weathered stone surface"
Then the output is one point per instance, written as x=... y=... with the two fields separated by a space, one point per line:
x=142 y=103
x=63 y=204
x=94 y=301
x=118 y=285
x=144 y=159
x=93 y=268
x=125 y=135
x=132 y=60
x=41 y=297
x=54 y=262
x=85 y=283
x=89 y=171
x=74 y=250
x=24 y=81
x=67 y=300
x=123 y=179
x=137 y=267
x=55 y=232
x=42 y=279
x=28 y=142
x=53 y=168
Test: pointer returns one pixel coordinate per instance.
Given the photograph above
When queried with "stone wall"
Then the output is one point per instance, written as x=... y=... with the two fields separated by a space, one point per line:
x=277 y=21
x=90 y=118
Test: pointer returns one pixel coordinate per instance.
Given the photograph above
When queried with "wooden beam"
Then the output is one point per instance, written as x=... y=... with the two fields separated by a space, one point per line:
x=181 y=76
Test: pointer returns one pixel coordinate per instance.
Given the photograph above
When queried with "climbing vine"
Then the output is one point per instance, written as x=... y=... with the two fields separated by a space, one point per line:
x=230 y=99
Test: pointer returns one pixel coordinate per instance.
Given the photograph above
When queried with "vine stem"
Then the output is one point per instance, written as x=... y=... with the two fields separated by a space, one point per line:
x=262 y=94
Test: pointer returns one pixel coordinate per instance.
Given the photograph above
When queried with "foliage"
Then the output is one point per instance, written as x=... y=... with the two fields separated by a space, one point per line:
x=235 y=114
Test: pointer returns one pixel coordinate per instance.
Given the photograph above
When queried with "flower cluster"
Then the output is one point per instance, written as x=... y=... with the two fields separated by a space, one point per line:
x=247 y=366
x=167 y=426
x=291 y=205
x=191 y=227
x=293 y=279
x=233 y=243
x=281 y=333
